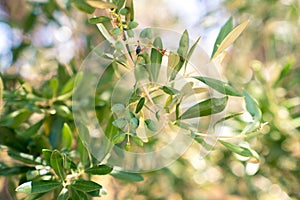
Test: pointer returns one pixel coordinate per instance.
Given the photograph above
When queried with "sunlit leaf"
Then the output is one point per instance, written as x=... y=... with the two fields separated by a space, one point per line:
x=203 y=143
x=173 y=60
x=231 y=37
x=205 y=108
x=101 y=4
x=99 y=170
x=85 y=186
x=156 y=58
x=37 y=186
x=100 y=19
x=225 y=30
x=66 y=136
x=54 y=83
x=183 y=45
x=47 y=155
x=243 y=151
x=219 y=86
x=57 y=164
x=191 y=51
x=227 y=118
x=127 y=176
x=182 y=52
x=252 y=107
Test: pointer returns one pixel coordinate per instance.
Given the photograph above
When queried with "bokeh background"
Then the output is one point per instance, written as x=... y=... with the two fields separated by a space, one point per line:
x=37 y=36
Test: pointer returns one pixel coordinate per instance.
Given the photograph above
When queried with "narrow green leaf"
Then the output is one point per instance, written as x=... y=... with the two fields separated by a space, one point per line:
x=83 y=153
x=25 y=158
x=16 y=118
x=47 y=155
x=156 y=58
x=68 y=87
x=191 y=51
x=226 y=28
x=228 y=117
x=205 y=108
x=219 y=86
x=130 y=7
x=99 y=170
x=252 y=107
x=100 y=19
x=284 y=71
x=37 y=187
x=173 y=61
x=57 y=164
x=68 y=163
x=127 y=176
x=202 y=142
x=32 y=130
x=85 y=186
x=15 y=170
x=78 y=195
x=177 y=111
x=182 y=52
x=66 y=136
x=118 y=138
x=140 y=105
x=83 y=6
x=231 y=37
x=96 y=193
x=54 y=83
x=64 y=194
x=240 y=150
x=169 y=90
x=183 y=45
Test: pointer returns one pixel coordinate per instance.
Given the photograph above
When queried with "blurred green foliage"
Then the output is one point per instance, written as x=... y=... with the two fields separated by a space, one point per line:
x=37 y=117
